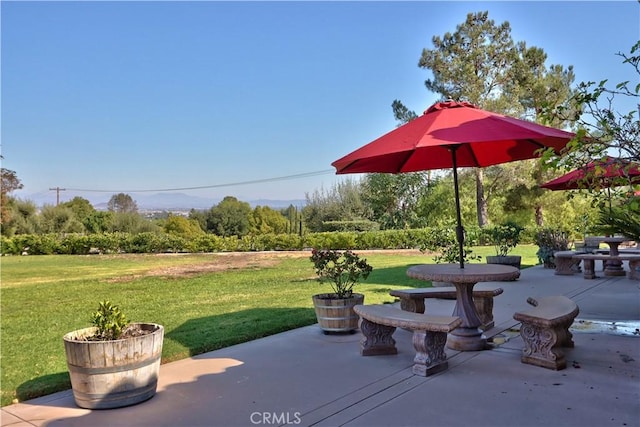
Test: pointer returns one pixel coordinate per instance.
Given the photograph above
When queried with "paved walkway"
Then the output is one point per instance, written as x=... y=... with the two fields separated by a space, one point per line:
x=303 y=377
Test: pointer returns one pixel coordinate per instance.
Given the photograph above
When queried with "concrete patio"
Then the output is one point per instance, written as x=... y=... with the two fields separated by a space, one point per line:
x=303 y=377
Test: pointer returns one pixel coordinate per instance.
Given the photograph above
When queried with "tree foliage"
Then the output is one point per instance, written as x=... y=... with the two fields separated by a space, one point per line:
x=122 y=203
x=342 y=202
x=393 y=199
x=266 y=220
x=603 y=127
x=180 y=226
x=481 y=63
x=230 y=217
x=59 y=219
x=81 y=207
x=10 y=183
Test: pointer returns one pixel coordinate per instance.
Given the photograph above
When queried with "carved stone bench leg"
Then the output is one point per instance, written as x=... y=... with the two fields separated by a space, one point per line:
x=377 y=339
x=430 y=355
x=589 y=269
x=564 y=266
x=565 y=337
x=414 y=305
x=634 y=274
x=541 y=347
x=575 y=265
x=484 y=307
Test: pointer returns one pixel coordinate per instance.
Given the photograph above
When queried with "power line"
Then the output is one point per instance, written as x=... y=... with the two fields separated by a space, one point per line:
x=231 y=184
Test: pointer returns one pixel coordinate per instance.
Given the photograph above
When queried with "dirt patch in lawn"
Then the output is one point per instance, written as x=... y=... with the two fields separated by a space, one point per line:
x=224 y=261
x=228 y=261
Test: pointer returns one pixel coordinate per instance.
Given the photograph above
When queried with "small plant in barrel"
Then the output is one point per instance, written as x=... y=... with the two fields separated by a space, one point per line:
x=113 y=363
x=109 y=321
x=504 y=237
x=342 y=269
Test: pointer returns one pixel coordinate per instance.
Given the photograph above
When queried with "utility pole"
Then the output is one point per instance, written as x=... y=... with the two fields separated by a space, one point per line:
x=58 y=190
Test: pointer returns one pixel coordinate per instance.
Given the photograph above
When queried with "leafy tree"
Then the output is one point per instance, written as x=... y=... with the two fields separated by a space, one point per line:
x=180 y=226
x=10 y=183
x=481 y=63
x=122 y=203
x=22 y=218
x=131 y=222
x=200 y=216
x=230 y=217
x=473 y=63
x=99 y=222
x=342 y=202
x=604 y=129
x=266 y=220
x=393 y=198
x=294 y=218
x=80 y=206
x=59 y=219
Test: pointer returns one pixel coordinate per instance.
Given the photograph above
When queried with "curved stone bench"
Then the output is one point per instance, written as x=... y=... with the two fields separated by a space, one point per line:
x=545 y=328
x=379 y=322
x=413 y=300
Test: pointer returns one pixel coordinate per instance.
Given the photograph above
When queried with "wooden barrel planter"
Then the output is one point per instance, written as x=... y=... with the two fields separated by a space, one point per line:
x=116 y=373
x=336 y=314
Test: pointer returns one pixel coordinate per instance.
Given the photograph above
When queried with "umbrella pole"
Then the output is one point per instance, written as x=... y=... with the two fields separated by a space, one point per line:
x=459 y=228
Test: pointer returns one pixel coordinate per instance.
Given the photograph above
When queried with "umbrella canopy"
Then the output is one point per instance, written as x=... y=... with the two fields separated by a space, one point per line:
x=451 y=134
x=602 y=173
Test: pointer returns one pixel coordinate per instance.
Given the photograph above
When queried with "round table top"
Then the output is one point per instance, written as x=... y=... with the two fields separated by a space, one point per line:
x=471 y=273
x=615 y=239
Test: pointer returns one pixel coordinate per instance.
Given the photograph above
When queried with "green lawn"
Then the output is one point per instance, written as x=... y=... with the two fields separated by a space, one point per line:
x=44 y=297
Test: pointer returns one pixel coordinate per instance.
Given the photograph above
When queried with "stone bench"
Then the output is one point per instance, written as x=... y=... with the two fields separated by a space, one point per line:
x=545 y=328
x=379 y=322
x=566 y=264
x=413 y=300
x=589 y=263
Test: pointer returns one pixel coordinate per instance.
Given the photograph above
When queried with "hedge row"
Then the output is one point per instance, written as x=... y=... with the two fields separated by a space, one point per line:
x=82 y=244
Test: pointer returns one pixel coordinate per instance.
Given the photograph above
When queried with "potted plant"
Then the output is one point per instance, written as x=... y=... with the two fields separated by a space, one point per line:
x=342 y=270
x=444 y=243
x=549 y=242
x=114 y=363
x=504 y=238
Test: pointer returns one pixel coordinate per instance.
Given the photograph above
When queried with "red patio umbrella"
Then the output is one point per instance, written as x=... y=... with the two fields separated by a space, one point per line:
x=451 y=134
x=602 y=173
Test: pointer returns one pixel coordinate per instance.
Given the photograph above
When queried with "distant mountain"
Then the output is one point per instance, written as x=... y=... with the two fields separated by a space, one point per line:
x=278 y=204
x=172 y=201
x=159 y=201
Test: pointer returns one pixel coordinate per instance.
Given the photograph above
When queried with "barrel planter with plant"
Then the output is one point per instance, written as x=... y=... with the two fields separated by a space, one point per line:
x=505 y=238
x=342 y=270
x=114 y=363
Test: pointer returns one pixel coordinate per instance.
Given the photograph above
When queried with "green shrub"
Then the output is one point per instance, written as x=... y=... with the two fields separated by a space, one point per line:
x=8 y=246
x=549 y=241
x=504 y=237
x=362 y=225
x=109 y=321
x=341 y=269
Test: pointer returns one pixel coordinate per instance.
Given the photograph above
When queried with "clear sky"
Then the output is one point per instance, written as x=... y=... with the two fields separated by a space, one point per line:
x=125 y=96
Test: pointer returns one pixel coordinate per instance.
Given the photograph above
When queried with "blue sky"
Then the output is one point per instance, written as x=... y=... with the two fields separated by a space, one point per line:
x=126 y=96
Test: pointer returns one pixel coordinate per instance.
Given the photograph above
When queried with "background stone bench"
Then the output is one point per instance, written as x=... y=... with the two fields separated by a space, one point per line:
x=413 y=300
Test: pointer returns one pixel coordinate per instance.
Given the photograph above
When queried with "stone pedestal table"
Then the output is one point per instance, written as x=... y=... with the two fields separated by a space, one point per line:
x=614 y=267
x=467 y=337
